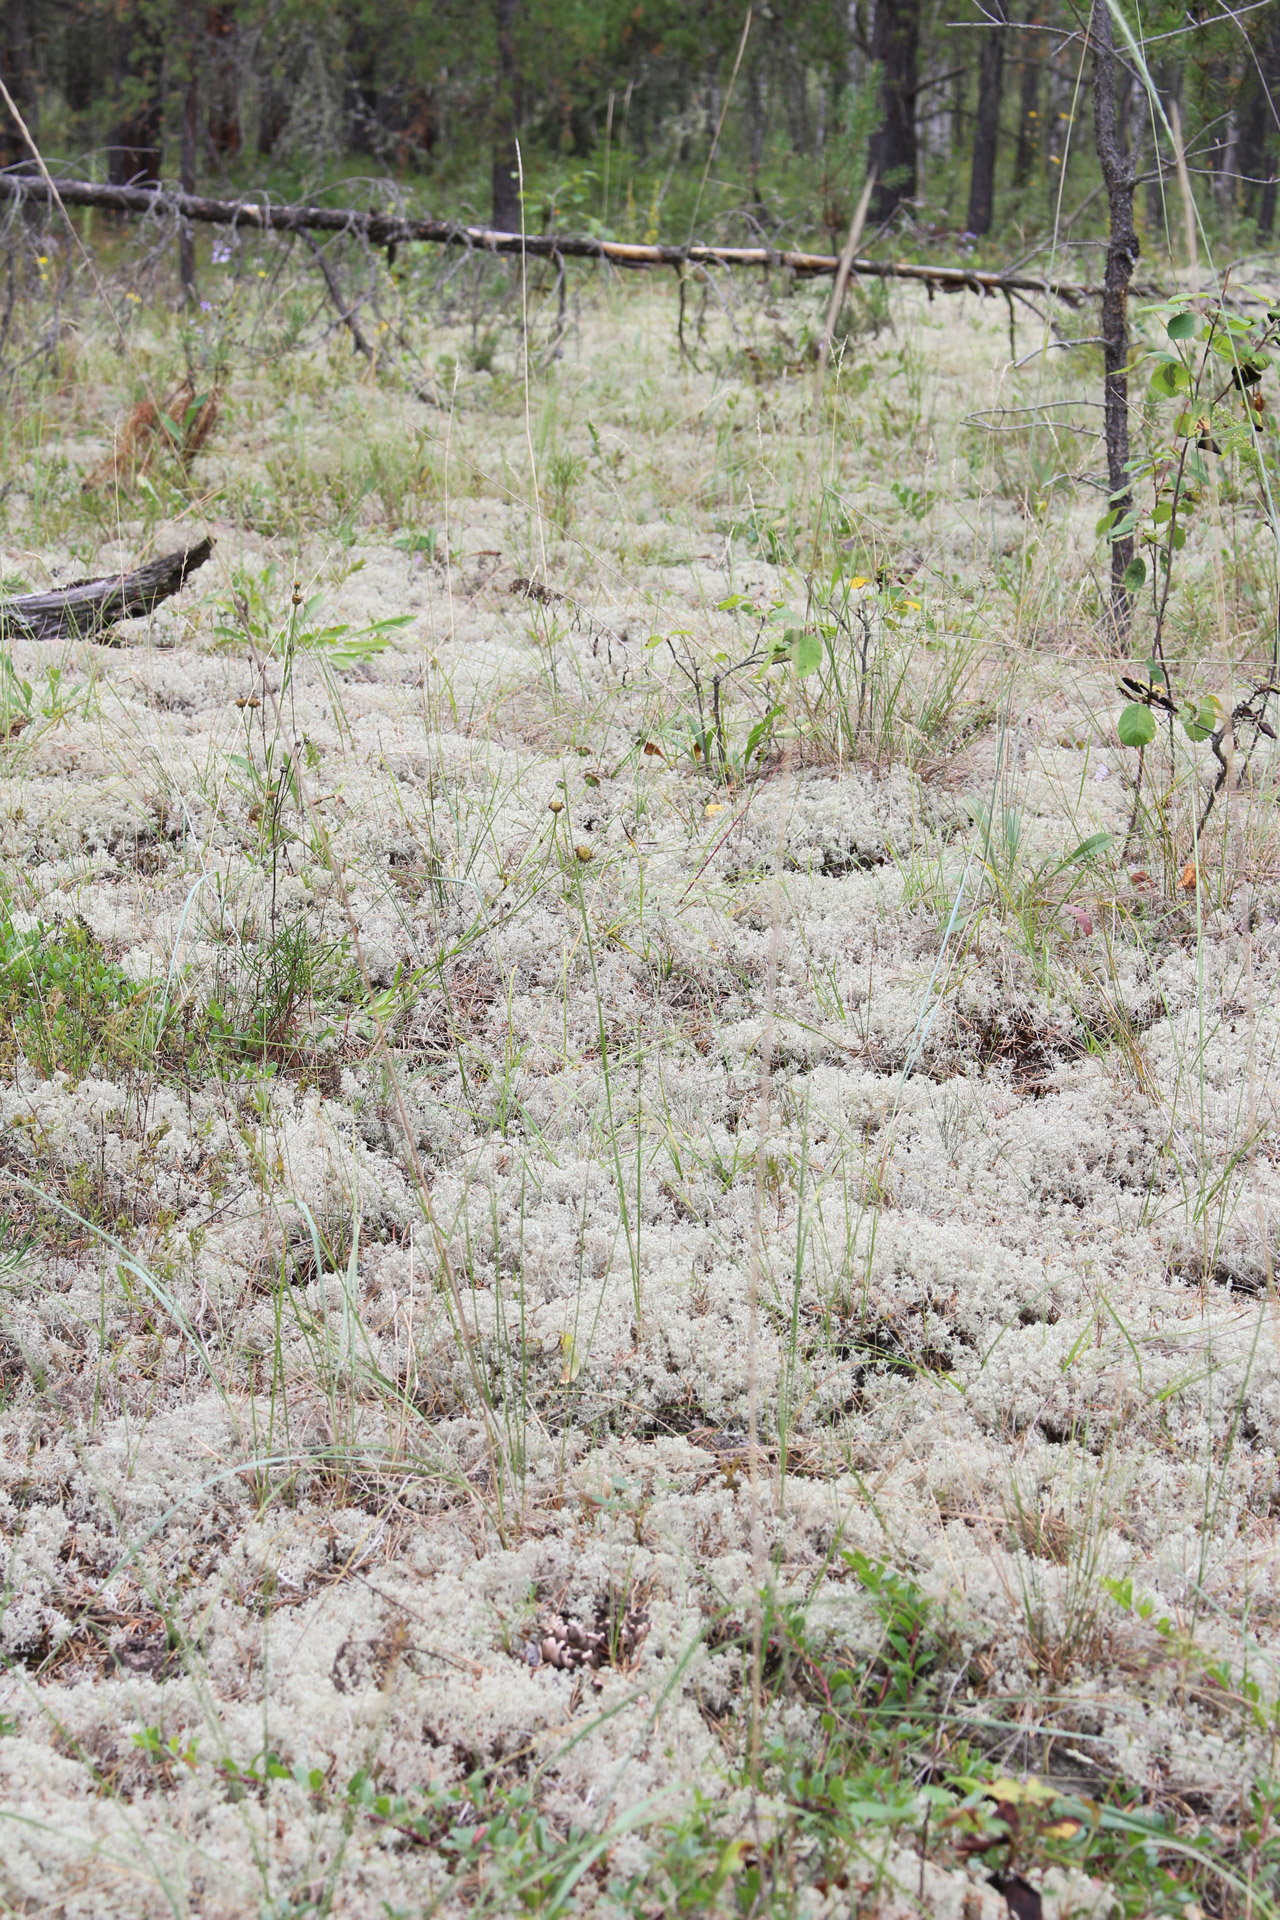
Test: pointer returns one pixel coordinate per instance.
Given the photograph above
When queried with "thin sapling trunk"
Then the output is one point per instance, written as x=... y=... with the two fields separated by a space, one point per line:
x=1122 y=254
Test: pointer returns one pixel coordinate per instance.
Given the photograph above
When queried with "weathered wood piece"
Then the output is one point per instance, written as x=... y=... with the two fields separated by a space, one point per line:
x=392 y=230
x=85 y=607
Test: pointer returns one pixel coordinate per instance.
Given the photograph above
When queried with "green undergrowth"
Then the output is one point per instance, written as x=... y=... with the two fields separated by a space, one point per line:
x=66 y=1008
x=899 y=1769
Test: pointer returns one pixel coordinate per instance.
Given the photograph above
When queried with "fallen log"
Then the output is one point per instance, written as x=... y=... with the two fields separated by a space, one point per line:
x=86 y=607
x=391 y=230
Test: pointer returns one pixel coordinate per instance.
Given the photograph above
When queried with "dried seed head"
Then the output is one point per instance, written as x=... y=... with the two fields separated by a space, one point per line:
x=583 y=853
x=555 y=806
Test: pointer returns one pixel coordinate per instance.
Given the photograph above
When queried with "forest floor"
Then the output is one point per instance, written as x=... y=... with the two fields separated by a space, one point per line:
x=600 y=1315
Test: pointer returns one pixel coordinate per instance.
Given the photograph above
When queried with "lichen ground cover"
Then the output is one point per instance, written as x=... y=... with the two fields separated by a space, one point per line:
x=546 y=1153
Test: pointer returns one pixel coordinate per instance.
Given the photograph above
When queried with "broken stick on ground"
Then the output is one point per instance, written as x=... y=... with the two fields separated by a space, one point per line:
x=87 y=607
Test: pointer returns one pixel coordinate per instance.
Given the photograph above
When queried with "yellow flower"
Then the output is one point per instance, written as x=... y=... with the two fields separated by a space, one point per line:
x=912 y=606
x=714 y=808
x=860 y=580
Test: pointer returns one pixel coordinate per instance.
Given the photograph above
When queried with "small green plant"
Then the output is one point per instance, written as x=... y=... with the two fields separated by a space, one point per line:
x=564 y=472
x=781 y=640
x=167 y=1752
x=424 y=542
x=15 y=700
x=64 y=1005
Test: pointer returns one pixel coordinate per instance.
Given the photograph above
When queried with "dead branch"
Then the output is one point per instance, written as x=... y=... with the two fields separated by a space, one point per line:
x=391 y=230
x=347 y=315
x=86 y=607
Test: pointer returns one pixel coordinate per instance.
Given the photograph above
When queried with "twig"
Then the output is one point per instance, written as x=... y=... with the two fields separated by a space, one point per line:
x=345 y=313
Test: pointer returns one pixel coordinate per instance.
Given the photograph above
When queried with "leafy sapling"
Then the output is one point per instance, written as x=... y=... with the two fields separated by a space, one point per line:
x=1211 y=372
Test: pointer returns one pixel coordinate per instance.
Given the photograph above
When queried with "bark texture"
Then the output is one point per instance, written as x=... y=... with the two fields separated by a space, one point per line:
x=86 y=607
x=18 y=71
x=1024 y=158
x=986 y=136
x=1122 y=256
x=1258 y=129
x=187 y=161
x=387 y=230
x=895 y=44
x=506 y=111
x=137 y=139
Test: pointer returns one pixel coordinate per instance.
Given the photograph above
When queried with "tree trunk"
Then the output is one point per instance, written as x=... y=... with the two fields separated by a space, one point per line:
x=187 y=161
x=986 y=135
x=135 y=152
x=895 y=38
x=222 y=89
x=1024 y=159
x=17 y=69
x=1167 y=80
x=1122 y=255
x=1257 y=140
x=505 y=114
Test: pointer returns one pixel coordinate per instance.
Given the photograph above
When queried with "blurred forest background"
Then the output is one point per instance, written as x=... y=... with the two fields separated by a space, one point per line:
x=658 y=119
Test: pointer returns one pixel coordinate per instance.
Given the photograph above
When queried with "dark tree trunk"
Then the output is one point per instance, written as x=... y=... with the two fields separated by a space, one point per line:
x=222 y=91
x=1258 y=130
x=895 y=38
x=506 y=112
x=986 y=136
x=797 y=95
x=1024 y=159
x=187 y=158
x=135 y=151
x=1122 y=255
x=17 y=69
x=1167 y=79
x=756 y=111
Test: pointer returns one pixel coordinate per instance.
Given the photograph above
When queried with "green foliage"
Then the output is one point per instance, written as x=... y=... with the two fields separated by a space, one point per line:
x=1213 y=377
x=1136 y=726
x=64 y=1005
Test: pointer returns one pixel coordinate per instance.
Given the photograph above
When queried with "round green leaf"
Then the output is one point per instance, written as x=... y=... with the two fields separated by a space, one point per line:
x=1136 y=726
x=1182 y=326
x=807 y=651
x=1170 y=377
x=1135 y=575
x=1200 y=724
